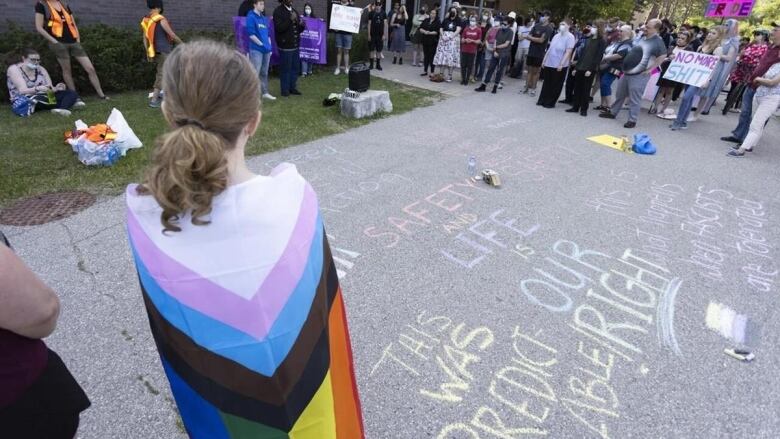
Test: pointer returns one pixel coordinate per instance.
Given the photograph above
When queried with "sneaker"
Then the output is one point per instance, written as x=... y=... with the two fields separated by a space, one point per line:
x=524 y=91
x=607 y=115
x=730 y=139
x=532 y=93
x=155 y=103
x=61 y=112
x=481 y=88
x=449 y=79
x=346 y=71
x=692 y=118
x=676 y=127
x=629 y=124
x=337 y=72
x=500 y=85
x=269 y=97
x=737 y=154
x=495 y=87
x=79 y=104
x=738 y=147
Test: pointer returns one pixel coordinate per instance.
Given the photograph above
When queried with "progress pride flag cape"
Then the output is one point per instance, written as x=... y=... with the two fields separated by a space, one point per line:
x=247 y=313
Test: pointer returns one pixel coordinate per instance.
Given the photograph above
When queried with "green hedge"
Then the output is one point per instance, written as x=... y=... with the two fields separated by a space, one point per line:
x=118 y=55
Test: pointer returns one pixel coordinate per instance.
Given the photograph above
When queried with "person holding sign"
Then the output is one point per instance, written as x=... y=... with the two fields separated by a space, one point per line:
x=343 y=44
x=668 y=87
x=711 y=42
x=647 y=54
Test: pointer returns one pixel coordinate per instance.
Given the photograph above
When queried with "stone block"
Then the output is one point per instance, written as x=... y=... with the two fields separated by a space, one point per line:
x=368 y=104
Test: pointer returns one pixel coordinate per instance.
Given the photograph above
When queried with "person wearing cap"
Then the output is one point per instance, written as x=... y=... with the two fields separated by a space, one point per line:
x=500 y=57
x=513 y=49
x=764 y=64
x=377 y=33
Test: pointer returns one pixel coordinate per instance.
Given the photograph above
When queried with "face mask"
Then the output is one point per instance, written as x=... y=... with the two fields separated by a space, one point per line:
x=608 y=29
x=307 y=11
x=32 y=66
x=452 y=14
x=562 y=28
x=472 y=23
x=485 y=17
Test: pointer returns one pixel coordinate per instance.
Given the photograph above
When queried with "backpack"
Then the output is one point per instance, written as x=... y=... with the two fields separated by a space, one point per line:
x=23 y=106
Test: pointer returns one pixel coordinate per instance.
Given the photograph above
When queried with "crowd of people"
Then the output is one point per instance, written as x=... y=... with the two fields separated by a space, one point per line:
x=608 y=56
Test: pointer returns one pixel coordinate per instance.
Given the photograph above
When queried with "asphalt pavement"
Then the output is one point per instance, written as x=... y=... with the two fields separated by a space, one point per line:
x=591 y=295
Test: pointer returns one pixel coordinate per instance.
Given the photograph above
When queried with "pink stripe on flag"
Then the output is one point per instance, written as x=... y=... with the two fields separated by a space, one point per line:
x=203 y=295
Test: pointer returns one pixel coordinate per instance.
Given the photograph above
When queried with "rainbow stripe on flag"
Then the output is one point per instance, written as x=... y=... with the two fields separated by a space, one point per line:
x=248 y=315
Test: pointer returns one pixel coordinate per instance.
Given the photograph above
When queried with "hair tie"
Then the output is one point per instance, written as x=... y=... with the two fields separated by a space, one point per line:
x=194 y=122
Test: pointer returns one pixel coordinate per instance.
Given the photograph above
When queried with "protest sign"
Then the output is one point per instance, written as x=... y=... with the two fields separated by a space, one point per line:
x=313 y=39
x=691 y=68
x=729 y=8
x=345 y=18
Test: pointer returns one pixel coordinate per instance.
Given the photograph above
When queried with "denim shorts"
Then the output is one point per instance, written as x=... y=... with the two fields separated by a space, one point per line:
x=344 y=41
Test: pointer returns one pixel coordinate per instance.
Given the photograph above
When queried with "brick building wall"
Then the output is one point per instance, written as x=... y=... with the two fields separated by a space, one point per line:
x=183 y=14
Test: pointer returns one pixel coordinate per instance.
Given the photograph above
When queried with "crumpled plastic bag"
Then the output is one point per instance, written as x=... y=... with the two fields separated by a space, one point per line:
x=102 y=144
x=126 y=138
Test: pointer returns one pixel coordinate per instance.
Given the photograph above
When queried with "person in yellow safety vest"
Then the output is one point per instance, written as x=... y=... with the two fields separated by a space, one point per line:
x=158 y=36
x=55 y=22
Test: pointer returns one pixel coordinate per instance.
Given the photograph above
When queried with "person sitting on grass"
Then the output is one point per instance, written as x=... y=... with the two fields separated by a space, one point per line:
x=158 y=36
x=31 y=89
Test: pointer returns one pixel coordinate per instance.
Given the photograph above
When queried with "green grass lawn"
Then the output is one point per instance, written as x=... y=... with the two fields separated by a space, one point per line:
x=34 y=159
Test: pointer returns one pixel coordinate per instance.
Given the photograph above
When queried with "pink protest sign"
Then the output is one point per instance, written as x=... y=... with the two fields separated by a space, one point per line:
x=729 y=8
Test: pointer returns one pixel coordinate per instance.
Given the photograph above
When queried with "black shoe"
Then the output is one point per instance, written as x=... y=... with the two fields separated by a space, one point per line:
x=378 y=66
x=495 y=89
x=481 y=88
x=607 y=115
x=629 y=124
x=371 y=66
x=395 y=60
x=572 y=110
x=424 y=74
x=564 y=101
x=584 y=113
x=590 y=99
x=400 y=61
x=705 y=113
x=295 y=92
x=730 y=139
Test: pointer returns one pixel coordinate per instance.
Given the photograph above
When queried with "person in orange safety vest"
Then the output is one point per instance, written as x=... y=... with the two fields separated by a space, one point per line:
x=55 y=22
x=158 y=36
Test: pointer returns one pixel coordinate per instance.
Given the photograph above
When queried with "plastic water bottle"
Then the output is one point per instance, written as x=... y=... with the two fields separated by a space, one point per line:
x=472 y=166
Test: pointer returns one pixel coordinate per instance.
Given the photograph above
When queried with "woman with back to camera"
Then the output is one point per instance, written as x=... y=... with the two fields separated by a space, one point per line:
x=235 y=268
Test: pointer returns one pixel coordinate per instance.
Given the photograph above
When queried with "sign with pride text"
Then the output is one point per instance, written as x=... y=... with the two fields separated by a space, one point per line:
x=691 y=68
x=729 y=8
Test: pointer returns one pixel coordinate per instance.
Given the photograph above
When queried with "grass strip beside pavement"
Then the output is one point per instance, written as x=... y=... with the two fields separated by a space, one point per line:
x=34 y=159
